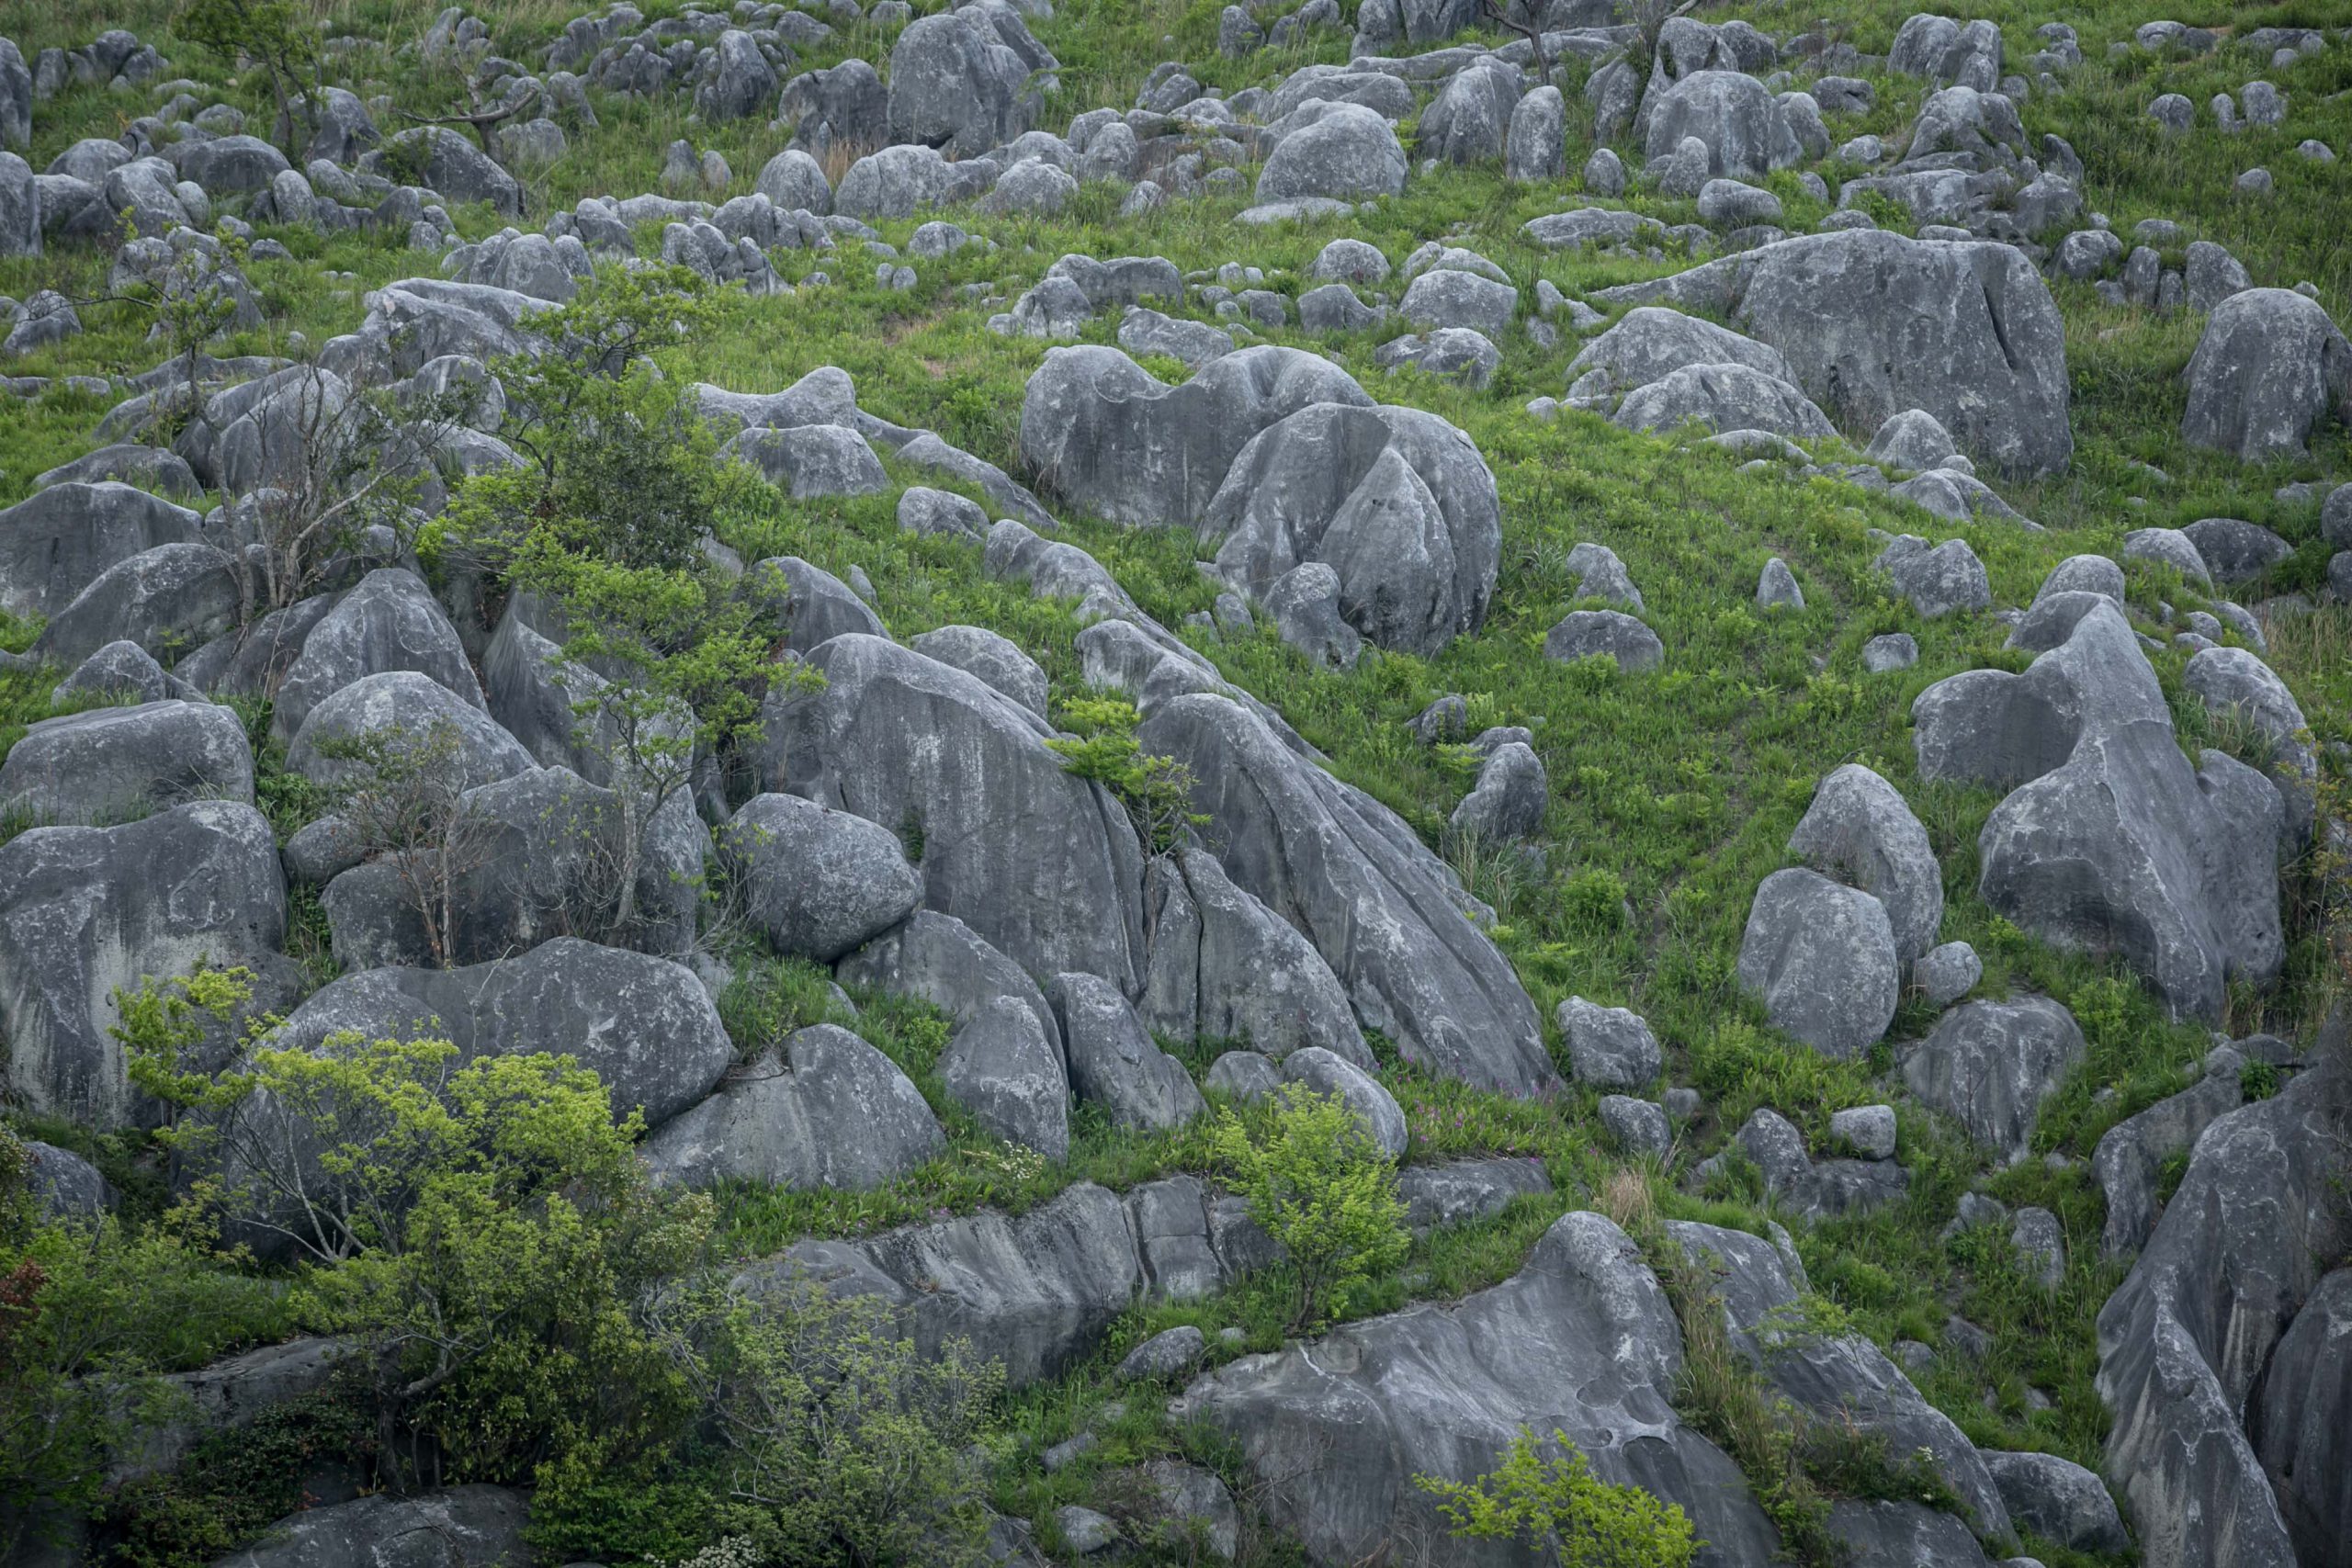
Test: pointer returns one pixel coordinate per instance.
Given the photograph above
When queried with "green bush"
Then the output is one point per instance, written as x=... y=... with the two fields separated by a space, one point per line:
x=843 y=1442
x=1554 y=1503
x=1318 y=1184
x=90 y=1313
x=1156 y=791
x=483 y=1232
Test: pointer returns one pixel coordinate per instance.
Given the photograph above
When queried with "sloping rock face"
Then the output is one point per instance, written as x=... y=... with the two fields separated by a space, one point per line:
x=2131 y=1155
x=2300 y=1420
x=1844 y=1377
x=1041 y=863
x=1223 y=966
x=1874 y=324
x=1112 y=439
x=2112 y=843
x=2185 y=1337
x=1396 y=502
x=86 y=911
x=1383 y=911
x=1582 y=1340
x=1036 y=1292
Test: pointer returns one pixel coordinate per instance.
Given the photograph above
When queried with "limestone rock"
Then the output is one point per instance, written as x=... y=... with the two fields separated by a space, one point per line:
x=825 y=1110
x=1822 y=958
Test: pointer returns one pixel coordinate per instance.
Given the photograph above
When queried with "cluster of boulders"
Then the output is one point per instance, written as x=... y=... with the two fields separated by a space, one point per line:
x=1583 y=1341
x=908 y=824
x=1343 y=518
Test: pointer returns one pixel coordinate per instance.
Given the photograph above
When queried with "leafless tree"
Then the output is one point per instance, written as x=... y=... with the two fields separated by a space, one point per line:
x=405 y=804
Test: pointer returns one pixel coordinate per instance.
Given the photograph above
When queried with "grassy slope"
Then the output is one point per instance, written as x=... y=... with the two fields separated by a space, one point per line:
x=1678 y=788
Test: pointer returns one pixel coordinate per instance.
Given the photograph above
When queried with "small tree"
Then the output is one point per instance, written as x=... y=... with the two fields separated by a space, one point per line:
x=665 y=667
x=666 y=657
x=1554 y=1503
x=847 y=1443
x=1321 y=1186
x=618 y=460
x=1157 y=791
x=343 y=460
x=404 y=799
x=279 y=36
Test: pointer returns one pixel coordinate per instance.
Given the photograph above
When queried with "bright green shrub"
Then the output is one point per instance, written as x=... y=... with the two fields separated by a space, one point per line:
x=1553 y=1501
x=1318 y=1184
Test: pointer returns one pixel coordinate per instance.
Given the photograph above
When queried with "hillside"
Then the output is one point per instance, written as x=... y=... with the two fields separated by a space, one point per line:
x=1095 y=780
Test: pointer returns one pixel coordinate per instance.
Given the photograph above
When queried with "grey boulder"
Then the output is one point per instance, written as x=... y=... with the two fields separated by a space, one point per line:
x=1115 y=441
x=403 y=703
x=1223 y=966
x=1723 y=398
x=86 y=911
x=1326 y=1074
x=1004 y=1068
x=460 y=1528
x=1535 y=148
x=1582 y=1340
x=1591 y=633
x=1469 y=120
x=1383 y=911
x=1610 y=1048
x=1989 y=1065
x=2059 y=1501
x=817 y=882
x=963 y=80
x=2269 y=369
x=987 y=656
x=2299 y=1415
x=2112 y=841
x=169 y=597
x=1838 y=1376
x=1396 y=502
x=644 y=1025
x=823 y=1110
x=449 y=164
x=1041 y=865
x=1874 y=324
x=1450 y=296
x=1822 y=959
x=114 y=763
x=1860 y=830
x=1937 y=580
x=1038 y=1292
x=1509 y=800
x=2184 y=1339
x=1746 y=132
x=389 y=621
x=811 y=461
x=939 y=959
x=1113 y=1061
x=1348 y=153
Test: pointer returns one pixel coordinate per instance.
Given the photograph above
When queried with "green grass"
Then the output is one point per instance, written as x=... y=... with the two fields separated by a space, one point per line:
x=1673 y=794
